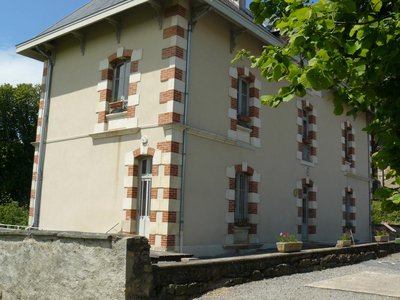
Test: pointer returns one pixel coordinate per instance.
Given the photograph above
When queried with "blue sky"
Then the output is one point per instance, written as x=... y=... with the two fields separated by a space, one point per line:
x=21 y=20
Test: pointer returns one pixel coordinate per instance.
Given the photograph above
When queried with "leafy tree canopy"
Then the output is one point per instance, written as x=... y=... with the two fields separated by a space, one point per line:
x=18 y=117
x=351 y=47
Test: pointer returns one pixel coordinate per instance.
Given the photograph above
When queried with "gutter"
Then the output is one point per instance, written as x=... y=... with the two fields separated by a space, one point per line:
x=43 y=137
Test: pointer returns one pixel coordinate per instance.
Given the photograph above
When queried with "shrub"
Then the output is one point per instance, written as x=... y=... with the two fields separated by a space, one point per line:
x=13 y=214
x=379 y=216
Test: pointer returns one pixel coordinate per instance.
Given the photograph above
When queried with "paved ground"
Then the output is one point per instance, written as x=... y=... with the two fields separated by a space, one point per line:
x=294 y=286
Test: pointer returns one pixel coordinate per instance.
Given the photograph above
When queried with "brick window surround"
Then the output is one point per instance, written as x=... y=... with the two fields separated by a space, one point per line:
x=106 y=106
x=253 y=201
x=251 y=132
x=312 y=207
x=173 y=55
x=349 y=212
x=304 y=106
x=348 y=147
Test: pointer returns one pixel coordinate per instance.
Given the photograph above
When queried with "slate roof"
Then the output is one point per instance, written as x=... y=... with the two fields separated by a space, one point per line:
x=91 y=8
x=96 y=6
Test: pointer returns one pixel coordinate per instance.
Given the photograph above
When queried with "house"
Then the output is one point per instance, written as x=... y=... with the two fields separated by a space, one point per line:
x=146 y=127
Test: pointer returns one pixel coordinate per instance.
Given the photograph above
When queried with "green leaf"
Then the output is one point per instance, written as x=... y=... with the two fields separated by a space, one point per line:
x=278 y=71
x=288 y=97
x=376 y=5
x=396 y=199
x=352 y=47
x=267 y=99
x=303 y=13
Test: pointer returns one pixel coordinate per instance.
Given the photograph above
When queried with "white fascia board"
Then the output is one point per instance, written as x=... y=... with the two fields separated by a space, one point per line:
x=246 y=23
x=77 y=25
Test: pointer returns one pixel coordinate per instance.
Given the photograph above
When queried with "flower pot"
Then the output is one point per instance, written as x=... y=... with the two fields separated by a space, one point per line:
x=343 y=243
x=381 y=238
x=289 y=246
x=241 y=234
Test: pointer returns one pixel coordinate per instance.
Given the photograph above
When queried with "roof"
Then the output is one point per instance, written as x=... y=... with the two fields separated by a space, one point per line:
x=97 y=10
x=93 y=7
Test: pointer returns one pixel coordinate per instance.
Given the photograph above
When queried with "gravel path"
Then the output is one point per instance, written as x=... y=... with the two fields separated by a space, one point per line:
x=292 y=287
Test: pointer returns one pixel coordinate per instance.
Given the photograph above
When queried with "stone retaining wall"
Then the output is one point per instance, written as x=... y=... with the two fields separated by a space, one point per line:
x=64 y=265
x=185 y=279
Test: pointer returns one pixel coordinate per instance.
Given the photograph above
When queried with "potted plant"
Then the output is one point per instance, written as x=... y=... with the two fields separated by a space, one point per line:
x=288 y=243
x=344 y=241
x=381 y=236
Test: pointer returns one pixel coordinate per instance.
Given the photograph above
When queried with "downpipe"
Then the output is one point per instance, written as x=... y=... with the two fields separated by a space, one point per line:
x=184 y=137
x=43 y=137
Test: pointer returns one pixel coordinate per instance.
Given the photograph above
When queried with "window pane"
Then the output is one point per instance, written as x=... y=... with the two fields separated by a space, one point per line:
x=121 y=81
x=243 y=95
x=241 y=196
x=144 y=197
x=125 y=85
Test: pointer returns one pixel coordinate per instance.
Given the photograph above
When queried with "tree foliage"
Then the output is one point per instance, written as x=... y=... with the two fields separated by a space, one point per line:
x=18 y=117
x=351 y=47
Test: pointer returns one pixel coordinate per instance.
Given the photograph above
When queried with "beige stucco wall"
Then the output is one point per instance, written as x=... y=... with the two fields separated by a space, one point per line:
x=276 y=161
x=83 y=186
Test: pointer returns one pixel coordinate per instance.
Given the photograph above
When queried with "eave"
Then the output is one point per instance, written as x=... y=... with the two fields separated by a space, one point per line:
x=27 y=48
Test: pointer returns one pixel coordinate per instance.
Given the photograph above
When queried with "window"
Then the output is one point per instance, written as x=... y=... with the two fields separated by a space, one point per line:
x=243 y=101
x=306 y=155
x=121 y=81
x=241 y=198
x=347 y=139
x=347 y=209
x=145 y=187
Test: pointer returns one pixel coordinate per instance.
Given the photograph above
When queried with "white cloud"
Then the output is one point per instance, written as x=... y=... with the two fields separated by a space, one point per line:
x=15 y=68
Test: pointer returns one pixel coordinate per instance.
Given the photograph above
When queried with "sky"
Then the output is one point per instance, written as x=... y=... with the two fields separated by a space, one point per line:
x=21 y=20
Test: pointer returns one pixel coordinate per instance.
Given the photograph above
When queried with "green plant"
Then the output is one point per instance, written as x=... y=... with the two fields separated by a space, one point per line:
x=13 y=214
x=381 y=232
x=379 y=215
x=344 y=237
x=285 y=237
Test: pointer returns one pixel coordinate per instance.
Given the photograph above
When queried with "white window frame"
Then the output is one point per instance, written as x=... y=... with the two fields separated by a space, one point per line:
x=145 y=181
x=306 y=153
x=120 y=85
x=347 y=155
x=243 y=96
x=241 y=197
x=347 y=209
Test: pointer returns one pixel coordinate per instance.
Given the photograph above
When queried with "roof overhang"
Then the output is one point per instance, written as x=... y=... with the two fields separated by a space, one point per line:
x=235 y=17
x=28 y=48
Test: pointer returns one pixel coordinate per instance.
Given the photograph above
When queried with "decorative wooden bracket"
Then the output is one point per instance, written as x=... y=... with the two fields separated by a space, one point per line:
x=82 y=40
x=117 y=26
x=234 y=33
x=159 y=9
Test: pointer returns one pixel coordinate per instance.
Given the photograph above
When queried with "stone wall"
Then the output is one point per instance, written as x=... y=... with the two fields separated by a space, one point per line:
x=62 y=265
x=65 y=265
x=185 y=279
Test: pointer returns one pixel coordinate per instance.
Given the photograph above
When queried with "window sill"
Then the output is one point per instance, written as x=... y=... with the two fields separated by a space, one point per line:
x=117 y=115
x=243 y=128
x=307 y=163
